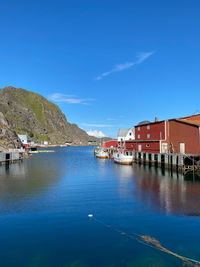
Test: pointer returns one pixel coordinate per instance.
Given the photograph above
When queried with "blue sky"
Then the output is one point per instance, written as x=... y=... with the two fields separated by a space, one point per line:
x=107 y=64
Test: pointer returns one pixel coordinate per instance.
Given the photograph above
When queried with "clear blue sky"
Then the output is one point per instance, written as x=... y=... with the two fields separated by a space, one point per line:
x=108 y=64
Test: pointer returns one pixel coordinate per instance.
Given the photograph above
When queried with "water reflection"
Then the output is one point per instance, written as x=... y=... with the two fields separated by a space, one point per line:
x=28 y=178
x=45 y=202
x=169 y=192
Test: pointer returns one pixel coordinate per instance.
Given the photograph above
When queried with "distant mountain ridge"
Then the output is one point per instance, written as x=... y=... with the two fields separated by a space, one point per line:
x=32 y=114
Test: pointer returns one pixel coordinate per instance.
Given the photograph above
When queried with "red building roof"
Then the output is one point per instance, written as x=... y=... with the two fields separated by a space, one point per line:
x=112 y=143
x=194 y=119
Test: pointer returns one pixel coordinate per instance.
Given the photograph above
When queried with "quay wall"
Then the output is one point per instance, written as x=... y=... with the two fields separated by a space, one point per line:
x=9 y=157
x=175 y=161
x=179 y=162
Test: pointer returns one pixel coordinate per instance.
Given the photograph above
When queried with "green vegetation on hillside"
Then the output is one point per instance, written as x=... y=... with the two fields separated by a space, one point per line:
x=32 y=114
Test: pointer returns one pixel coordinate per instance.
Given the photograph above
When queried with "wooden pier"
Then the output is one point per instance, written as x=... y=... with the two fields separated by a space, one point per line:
x=178 y=162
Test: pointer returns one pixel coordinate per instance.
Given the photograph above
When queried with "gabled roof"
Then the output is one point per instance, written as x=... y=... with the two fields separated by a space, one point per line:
x=193 y=119
x=187 y=122
x=143 y=123
x=196 y=122
x=123 y=132
x=22 y=136
x=148 y=123
x=190 y=120
x=191 y=116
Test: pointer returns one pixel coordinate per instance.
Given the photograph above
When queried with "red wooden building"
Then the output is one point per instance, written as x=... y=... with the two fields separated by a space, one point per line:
x=110 y=144
x=180 y=135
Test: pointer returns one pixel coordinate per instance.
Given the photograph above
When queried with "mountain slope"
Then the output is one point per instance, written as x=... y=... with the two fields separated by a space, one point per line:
x=32 y=114
x=8 y=137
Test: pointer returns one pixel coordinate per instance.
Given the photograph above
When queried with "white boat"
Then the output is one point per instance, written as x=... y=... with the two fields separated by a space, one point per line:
x=101 y=154
x=123 y=157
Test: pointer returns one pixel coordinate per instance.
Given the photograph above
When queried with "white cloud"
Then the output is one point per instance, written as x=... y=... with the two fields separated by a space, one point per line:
x=120 y=67
x=70 y=99
x=96 y=125
x=96 y=133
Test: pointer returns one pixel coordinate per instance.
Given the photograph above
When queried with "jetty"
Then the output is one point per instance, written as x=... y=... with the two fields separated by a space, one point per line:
x=178 y=162
x=172 y=144
x=11 y=157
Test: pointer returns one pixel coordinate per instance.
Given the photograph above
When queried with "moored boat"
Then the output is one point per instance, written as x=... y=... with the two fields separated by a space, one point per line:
x=123 y=157
x=32 y=150
x=101 y=154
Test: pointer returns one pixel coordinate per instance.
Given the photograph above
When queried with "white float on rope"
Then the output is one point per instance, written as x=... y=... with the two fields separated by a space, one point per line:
x=90 y=215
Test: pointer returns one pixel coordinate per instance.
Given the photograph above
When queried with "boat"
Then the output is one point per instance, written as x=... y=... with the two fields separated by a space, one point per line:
x=42 y=146
x=123 y=157
x=32 y=150
x=101 y=154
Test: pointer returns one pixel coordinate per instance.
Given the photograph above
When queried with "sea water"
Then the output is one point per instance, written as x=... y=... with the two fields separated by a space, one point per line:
x=45 y=202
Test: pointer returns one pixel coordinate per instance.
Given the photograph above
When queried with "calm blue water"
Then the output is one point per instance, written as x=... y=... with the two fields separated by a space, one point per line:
x=45 y=202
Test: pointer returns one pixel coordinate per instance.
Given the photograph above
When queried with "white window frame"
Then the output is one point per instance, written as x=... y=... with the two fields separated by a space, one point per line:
x=148 y=136
x=138 y=136
x=139 y=128
x=148 y=127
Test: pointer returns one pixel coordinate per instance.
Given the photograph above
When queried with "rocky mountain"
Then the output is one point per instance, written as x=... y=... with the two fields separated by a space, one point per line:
x=8 y=137
x=32 y=114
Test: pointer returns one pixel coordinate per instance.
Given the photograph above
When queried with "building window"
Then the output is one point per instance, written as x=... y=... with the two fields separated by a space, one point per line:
x=138 y=136
x=129 y=133
x=148 y=127
x=148 y=136
x=147 y=145
x=139 y=128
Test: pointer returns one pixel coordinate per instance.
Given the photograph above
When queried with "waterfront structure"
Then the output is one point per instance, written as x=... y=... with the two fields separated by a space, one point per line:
x=10 y=157
x=180 y=136
x=126 y=134
x=23 y=139
x=110 y=144
x=92 y=142
x=184 y=135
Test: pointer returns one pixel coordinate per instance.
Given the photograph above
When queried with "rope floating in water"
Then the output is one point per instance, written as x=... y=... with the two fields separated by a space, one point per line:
x=150 y=242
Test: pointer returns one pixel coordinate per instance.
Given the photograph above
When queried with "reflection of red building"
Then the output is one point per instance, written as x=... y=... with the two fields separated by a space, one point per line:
x=174 y=196
x=109 y=144
x=171 y=136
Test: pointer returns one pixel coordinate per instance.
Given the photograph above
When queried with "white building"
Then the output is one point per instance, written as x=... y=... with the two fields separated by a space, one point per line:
x=23 y=139
x=126 y=134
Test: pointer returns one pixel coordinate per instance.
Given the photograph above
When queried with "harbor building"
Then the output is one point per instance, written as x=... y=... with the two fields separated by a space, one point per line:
x=23 y=138
x=180 y=136
x=126 y=134
x=110 y=144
